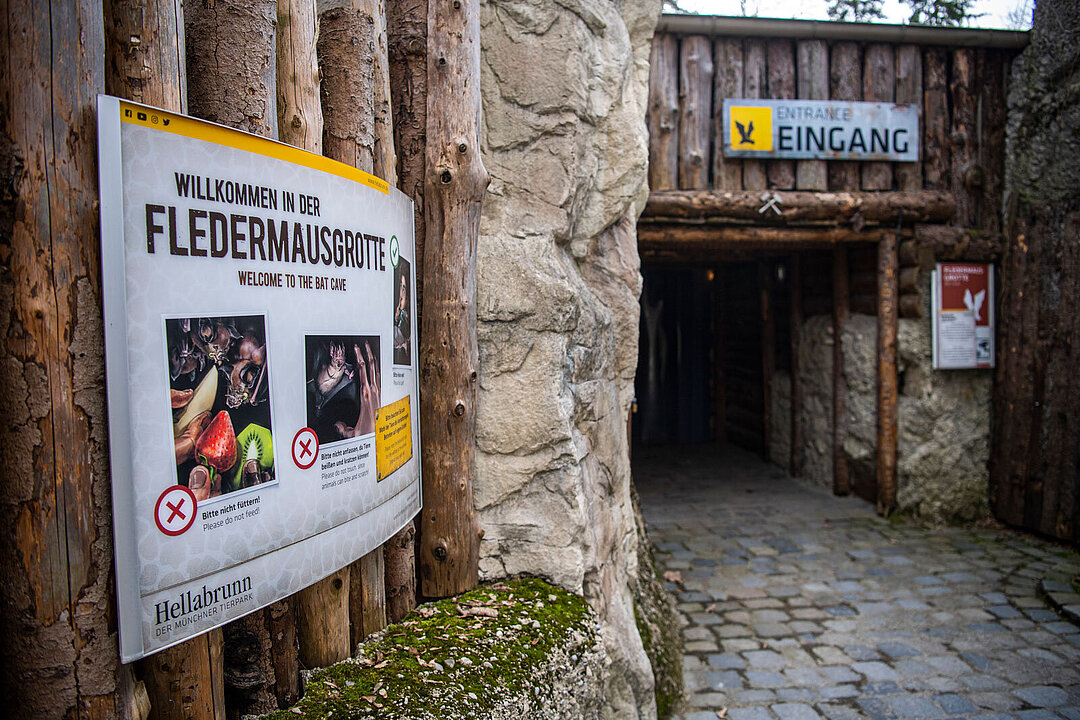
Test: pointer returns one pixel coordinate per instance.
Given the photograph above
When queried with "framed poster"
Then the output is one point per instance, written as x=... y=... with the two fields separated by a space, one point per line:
x=260 y=364
x=962 y=296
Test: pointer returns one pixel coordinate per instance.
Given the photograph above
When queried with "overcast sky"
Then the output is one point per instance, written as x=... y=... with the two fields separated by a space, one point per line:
x=995 y=12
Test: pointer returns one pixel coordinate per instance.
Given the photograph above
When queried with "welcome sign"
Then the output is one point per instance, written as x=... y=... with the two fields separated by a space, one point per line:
x=821 y=130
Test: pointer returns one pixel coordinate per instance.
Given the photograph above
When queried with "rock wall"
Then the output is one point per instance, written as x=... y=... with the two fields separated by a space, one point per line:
x=564 y=89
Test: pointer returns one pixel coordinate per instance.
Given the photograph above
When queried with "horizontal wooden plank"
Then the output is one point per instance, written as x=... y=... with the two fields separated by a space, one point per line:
x=800 y=207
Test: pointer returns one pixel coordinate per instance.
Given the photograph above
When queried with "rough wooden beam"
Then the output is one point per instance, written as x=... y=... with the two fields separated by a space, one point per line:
x=888 y=301
x=323 y=627
x=965 y=174
x=184 y=682
x=837 y=207
x=841 y=477
x=845 y=83
x=664 y=113
x=450 y=535
x=755 y=85
x=728 y=83
x=724 y=237
x=781 y=72
x=695 y=120
x=813 y=71
x=936 y=160
x=909 y=89
x=958 y=243
x=144 y=52
x=300 y=119
x=879 y=85
x=346 y=59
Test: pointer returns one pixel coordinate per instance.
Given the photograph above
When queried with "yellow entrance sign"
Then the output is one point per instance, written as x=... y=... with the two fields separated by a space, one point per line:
x=393 y=437
x=751 y=128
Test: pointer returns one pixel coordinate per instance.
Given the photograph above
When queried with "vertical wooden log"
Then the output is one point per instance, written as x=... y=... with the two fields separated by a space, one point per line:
x=231 y=63
x=909 y=89
x=936 y=123
x=879 y=85
x=300 y=119
x=184 y=682
x=695 y=120
x=664 y=113
x=367 y=596
x=845 y=83
x=58 y=645
x=990 y=164
x=718 y=345
x=755 y=85
x=888 y=318
x=795 y=308
x=385 y=157
x=450 y=536
x=144 y=52
x=841 y=476
x=728 y=73
x=768 y=351
x=345 y=49
x=781 y=72
x=323 y=620
x=963 y=146
x=813 y=71
x=407 y=48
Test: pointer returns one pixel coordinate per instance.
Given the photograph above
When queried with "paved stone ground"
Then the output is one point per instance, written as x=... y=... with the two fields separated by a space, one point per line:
x=798 y=605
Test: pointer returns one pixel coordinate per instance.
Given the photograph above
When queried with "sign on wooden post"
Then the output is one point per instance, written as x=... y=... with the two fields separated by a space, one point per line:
x=261 y=366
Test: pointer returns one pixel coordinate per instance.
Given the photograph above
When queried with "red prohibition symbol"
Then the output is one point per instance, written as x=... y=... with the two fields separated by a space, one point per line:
x=305 y=448
x=175 y=512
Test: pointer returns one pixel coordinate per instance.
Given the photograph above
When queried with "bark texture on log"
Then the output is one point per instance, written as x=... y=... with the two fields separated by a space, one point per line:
x=323 y=620
x=989 y=177
x=58 y=642
x=400 y=558
x=144 y=59
x=695 y=126
x=367 y=596
x=781 y=78
x=231 y=63
x=841 y=476
x=963 y=148
x=909 y=80
x=300 y=120
x=185 y=682
x=936 y=161
x=385 y=157
x=888 y=300
x=957 y=243
x=845 y=83
x=450 y=536
x=803 y=207
x=813 y=70
x=722 y=237
x=879 y=85
x=728 y=73
x=346 y=58
x=249 y=677
x=664 y=113
x=755 y=85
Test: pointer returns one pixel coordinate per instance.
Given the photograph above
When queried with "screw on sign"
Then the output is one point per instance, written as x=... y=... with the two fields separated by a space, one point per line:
x=305 y=448
x=174 y=512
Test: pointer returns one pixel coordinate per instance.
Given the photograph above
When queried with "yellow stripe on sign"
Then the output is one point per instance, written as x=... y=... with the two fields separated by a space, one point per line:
x=227 y=137
x=393 y=437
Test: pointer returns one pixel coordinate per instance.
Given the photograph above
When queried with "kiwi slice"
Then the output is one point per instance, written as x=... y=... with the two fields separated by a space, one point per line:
x=254 y=443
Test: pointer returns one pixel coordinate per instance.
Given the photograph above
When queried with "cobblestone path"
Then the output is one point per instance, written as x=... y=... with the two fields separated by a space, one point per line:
x=798 y=605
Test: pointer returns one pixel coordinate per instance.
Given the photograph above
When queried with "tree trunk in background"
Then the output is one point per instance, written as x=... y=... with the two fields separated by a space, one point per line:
x=456 y=180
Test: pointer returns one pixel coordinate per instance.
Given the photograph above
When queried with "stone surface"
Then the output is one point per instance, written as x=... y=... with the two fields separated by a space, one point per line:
x=911 y=633
x=564 y=89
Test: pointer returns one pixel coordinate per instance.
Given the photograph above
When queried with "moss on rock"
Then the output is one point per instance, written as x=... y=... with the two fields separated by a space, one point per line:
x=512 y=649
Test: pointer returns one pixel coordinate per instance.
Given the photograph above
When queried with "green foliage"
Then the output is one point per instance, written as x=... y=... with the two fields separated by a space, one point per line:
x=948 y=13
x=855 y=10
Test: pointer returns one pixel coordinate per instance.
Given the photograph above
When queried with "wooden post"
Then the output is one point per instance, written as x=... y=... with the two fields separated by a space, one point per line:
x=664 y=113
x=845 y=83
x=909 y=89
x=963 y=136
x=185 y=681
x=781 y=63
x=768 y=352
x=795 y=308
x=407 y=49
x=755 y=85
x=813 y=70
x=728 y=73
x=695 y=121
x=450 y=536
x=300 y=116
x=879 y=85
x=936 y=121
x=841 y=478
x=323 y=620
x=888 y=298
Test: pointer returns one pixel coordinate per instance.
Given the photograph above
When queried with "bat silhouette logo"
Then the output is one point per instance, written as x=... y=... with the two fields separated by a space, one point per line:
x=974 y=304
x=745 y=133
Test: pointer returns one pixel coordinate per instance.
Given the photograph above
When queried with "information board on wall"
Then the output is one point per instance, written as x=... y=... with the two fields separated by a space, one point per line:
x=821 y=130
x=962 y=295
x=261 y=368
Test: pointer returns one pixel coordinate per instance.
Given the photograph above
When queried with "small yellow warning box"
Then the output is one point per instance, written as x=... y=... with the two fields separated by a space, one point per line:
x=393 y=437
x=751 y=128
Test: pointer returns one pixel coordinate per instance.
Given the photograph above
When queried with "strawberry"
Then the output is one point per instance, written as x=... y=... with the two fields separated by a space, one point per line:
x=216 y=445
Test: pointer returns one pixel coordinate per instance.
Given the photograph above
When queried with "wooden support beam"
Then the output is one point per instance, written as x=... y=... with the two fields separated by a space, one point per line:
x=909 y=89
x=959 y=243
x=911 y=306
x=841 y=477
x=300 y=117
x=367 y=597
x=795 y=313
x=768 y=352
x=663 y=113
x=813 y=71
x=695 y=121
x=964 y=136
x=755 y=85
x=323 y=620
x=450 y=535
x=728 y=83
x=725 y=237
x=888 y=300
x=837 y=208
x=781 y=71
x=879 y=85
x=184 y=682
x=936 y=123
x=845 y=83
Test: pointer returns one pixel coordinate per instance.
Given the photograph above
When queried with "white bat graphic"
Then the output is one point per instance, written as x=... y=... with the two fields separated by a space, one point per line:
x=974 y=304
